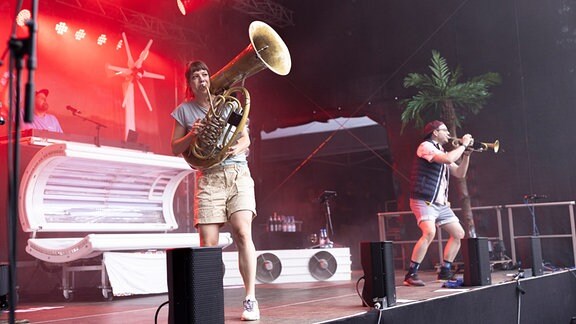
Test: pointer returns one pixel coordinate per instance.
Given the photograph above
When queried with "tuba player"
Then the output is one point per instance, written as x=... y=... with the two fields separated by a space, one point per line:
x=224 y=192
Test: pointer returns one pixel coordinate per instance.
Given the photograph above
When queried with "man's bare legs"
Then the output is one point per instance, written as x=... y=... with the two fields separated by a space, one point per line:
x=428 y=229
x=451 y=249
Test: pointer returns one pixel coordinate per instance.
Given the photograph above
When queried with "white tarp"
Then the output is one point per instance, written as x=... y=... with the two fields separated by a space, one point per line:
x=319 y=127
x=136 y=273
x=337 y=136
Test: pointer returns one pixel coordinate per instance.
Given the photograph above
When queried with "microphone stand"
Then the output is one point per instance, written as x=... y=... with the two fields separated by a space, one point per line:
x=324 y=240
x=19 y=48
x=98 y=126
x=325 y=200
x=529 y=203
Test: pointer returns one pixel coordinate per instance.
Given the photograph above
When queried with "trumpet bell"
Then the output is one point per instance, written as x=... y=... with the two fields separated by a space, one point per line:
x=266 y=50
x=494 y=146
x=477 y=146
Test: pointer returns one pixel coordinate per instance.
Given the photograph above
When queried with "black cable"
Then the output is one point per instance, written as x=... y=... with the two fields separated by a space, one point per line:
x=378 y=307
x=158 y=311
x=529 y=204
x=358 y=291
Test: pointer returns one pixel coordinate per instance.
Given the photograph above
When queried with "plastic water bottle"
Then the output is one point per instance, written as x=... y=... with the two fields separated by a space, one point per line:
x=323 y=236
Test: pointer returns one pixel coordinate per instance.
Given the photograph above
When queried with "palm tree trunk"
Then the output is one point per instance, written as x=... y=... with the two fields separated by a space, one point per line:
x=449 y=115
x=467 y=214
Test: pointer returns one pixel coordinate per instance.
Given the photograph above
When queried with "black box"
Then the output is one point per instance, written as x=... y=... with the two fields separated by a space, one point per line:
x=529 y=254
x=378 y=265
x=195 y=285
x=476 y=262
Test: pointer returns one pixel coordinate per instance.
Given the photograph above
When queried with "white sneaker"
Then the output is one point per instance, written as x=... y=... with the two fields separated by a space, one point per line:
x=251 y=311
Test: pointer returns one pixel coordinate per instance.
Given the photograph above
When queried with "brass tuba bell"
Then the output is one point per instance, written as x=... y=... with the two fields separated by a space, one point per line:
x=266 y=50
x=228 y=114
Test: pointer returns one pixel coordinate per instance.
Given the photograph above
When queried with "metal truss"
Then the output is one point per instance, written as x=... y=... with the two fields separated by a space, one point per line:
x=266 y=10
x=567 y=27
x=138 y=22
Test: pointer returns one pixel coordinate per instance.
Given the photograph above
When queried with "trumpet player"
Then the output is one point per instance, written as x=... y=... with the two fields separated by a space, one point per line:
x=224 y=193
x=429 y=197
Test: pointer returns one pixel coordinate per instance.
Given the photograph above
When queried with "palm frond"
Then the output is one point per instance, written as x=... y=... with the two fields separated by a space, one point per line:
x=442 y=86
x=490 y=78
x=418 y=104
x=418 y=81
x=456 y=75
x=440 y=71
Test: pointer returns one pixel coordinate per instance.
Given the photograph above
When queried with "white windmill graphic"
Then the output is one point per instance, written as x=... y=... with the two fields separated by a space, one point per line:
x=132 y=75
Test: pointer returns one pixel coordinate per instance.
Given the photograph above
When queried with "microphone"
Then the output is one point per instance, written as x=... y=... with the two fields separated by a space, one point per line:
x=534 y=197
x=73 y=110
x=327 y=194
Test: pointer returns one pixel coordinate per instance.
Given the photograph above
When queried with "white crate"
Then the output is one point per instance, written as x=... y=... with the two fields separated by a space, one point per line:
x=292 y=266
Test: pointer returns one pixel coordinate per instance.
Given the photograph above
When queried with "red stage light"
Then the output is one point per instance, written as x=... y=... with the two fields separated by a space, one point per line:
x=119 y=45
x=80 y=34
x=102 y=39
x=23 y=16
x=61 y=28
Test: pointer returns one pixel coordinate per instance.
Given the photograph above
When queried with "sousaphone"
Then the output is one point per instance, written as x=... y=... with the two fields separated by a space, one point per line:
x=228 y=114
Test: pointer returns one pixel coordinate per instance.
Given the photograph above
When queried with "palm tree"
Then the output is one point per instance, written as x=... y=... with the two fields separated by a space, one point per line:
x=441 y=96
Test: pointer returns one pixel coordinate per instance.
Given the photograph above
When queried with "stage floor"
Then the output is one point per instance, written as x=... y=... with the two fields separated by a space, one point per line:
x=279 y=303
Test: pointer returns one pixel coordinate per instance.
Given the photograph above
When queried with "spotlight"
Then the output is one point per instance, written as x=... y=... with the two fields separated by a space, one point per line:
x=119 y=45
x=23 y=16
x=102 y=40
x=187 y=6
x=182 y=4
x=61 y=28
x=80 y=34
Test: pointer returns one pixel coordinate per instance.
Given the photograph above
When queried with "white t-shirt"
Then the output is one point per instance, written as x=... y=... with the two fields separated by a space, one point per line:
x=188 y=112
x=47 y=122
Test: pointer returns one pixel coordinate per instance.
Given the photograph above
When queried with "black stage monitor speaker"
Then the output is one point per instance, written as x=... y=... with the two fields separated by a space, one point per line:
x=378 y=265
x=530 y=254
x=476 y=262
x=4 y=286
x=195 y=285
